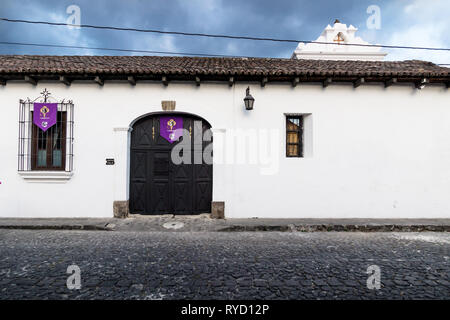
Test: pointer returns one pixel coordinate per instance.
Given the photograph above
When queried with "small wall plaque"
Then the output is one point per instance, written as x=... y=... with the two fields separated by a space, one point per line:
x=168 y=105
x=110 y=162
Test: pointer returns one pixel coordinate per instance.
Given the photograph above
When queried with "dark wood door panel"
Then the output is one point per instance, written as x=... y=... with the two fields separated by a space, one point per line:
x=182 y=197
x=203 y=195
x=137 y=203
x=160 y=203
x=142 y=135
x=138 y=169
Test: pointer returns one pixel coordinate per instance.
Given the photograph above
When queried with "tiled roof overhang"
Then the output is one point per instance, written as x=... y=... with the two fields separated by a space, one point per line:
x=135 y=68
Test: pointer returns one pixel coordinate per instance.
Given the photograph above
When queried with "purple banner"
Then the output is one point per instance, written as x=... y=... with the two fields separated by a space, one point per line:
x=171 y=128
x=44 y=115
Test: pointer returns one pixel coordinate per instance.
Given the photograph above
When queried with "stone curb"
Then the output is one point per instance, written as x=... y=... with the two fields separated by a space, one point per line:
x=58 y=227
x=254 y=228
x=340 y=228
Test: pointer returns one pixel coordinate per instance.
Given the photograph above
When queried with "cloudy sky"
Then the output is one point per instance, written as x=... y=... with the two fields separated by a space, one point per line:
x=403 y=22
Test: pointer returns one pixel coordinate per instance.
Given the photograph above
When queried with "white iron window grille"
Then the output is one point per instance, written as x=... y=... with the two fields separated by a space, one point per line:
x=51 y=150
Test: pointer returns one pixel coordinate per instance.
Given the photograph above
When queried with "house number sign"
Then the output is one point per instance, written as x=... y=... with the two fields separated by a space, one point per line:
x=110 y=162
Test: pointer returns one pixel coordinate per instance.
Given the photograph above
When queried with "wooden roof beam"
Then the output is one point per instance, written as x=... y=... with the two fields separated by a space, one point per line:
x=231 y=81
x=30 y=80
x=99 y=81
x=64 y=80
x=264 y=80
x=295 y=81
x=358 y=82
x=165 y=81
x=390 y=82
x=326 y=82
x=132 y=80
x=197 y=81
x=421 y=84
x=3 y=82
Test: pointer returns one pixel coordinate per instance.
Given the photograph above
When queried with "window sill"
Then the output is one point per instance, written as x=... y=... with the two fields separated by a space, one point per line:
x=46 y=176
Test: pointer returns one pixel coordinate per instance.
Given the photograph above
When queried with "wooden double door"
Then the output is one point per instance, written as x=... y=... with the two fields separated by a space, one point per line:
x=160 y=186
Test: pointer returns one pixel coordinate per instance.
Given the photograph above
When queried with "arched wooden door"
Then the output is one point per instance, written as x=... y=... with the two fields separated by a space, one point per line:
x=157 y=184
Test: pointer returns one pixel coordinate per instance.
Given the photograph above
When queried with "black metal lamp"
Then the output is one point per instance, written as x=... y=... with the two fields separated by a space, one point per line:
x=249 y=100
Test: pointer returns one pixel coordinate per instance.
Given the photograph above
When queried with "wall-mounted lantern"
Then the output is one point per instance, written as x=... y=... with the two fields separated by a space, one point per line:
x=249 y=100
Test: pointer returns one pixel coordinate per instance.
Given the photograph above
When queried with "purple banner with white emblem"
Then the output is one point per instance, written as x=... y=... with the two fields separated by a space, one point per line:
x=44 y=115
x=171 y=128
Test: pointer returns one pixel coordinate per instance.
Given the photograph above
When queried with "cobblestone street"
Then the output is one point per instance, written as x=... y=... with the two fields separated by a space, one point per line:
x=223 y=265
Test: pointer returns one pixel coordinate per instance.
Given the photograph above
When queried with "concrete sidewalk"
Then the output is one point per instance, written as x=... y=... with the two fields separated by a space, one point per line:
x=203 y=223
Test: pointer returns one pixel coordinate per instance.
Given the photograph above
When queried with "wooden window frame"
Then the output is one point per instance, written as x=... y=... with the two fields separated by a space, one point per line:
x=299 y=144
x=49 y=160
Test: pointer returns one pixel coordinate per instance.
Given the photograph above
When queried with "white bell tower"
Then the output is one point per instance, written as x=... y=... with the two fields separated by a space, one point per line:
x=338 y=34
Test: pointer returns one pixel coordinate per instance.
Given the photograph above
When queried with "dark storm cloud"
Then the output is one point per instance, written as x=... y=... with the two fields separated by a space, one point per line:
x=280 y=19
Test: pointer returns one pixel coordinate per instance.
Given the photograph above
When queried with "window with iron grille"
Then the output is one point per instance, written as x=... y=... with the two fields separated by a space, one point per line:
x=50 y=150
x=294 y=136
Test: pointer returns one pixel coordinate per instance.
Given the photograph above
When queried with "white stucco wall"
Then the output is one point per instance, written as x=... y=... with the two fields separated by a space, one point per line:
x=371 y=152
